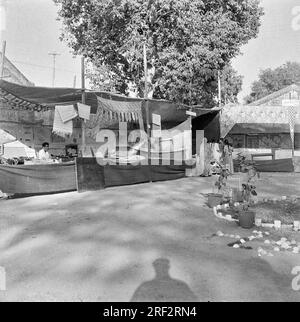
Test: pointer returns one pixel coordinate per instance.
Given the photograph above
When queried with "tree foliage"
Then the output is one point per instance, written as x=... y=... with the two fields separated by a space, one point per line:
x=272 y=80
x=188 y=41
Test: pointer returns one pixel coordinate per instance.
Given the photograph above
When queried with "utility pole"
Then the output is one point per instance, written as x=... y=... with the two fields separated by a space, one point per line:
x=74 y=82
x=53 y=54
x=2 y=59
x=2 y=35
x=147 y=101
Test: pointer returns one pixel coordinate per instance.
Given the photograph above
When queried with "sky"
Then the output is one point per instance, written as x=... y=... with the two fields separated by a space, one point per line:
x=32 y=31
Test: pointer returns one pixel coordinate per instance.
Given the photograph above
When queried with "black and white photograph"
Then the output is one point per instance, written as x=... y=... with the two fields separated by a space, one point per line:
x=149 y=153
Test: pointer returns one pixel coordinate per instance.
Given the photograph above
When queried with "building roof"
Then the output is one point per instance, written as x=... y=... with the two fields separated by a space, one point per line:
x=277 y=94
x=13 y=74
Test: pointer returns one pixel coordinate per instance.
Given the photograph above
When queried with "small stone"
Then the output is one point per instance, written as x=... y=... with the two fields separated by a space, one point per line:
x=283 y=239
x=267 y=233
x=236 y=246
x=296 y=250
x=254 y=231
x=284 y=197
x=220 y=234
x=297 y=225
x=267 y=242
x=277 y=224
x=237 y=236
x=286 y=246
x=242 y=241
x=258 y=222
x=251 y=238
x=232 y=236
x=276 y=249
x=293 y=242
x=262 y=251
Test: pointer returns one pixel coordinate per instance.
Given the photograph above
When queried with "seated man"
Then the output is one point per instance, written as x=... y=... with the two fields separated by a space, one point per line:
x=43 y=153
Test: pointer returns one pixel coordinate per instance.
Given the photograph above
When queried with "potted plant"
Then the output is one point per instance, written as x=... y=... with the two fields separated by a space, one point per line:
x=246 y=213
x=215 y=199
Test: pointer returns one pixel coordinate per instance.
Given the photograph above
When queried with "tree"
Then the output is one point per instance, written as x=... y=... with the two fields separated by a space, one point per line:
x=272 y=80
x=231 y=85
x=188 y=41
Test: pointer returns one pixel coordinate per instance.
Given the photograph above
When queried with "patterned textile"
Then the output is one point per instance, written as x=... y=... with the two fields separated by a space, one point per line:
x=232 y=115
x=59 y=127
x=20 y=104
x=109 y=112
x=120 y=111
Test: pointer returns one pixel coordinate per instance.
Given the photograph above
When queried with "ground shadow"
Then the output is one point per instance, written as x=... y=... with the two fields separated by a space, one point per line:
x=163 y=288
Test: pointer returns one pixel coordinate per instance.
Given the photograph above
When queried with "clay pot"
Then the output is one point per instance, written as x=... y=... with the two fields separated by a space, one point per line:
x=247 y=219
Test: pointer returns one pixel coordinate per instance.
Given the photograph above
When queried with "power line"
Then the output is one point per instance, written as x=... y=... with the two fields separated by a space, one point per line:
x=43 y=66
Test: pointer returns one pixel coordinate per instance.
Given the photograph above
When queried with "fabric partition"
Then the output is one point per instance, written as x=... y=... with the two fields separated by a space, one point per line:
x=93 y=176
x=89 y=175
x=280 y=165
x=119 y=175
x=167 y=172
x=38 y=179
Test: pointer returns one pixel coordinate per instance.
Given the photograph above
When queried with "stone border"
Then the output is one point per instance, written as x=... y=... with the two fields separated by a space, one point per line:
x=277 y=224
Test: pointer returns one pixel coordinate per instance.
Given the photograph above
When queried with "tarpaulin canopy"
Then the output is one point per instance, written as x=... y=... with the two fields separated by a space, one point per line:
x=43 y=98
x=232 y=115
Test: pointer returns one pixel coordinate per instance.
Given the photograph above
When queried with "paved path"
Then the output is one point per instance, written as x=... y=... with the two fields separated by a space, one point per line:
x=100 y=246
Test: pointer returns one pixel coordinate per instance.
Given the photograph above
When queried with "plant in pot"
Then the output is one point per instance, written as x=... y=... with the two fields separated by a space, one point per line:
x=215 y=199
x=246 y=213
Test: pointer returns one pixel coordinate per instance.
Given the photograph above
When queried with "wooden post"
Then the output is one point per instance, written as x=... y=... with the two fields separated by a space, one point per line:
x=83 y=143
x=3 y=59
x=219 y=90
x=147 y=102
x=74 y=82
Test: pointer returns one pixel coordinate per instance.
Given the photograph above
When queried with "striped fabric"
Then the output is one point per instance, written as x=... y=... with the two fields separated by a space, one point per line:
x=292 y=113
x=120 y=111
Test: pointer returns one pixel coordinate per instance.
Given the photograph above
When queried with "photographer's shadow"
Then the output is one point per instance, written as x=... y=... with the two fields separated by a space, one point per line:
x=163 y=288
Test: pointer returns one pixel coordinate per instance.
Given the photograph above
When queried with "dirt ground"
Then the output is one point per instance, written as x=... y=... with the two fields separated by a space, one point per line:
x=100 y=246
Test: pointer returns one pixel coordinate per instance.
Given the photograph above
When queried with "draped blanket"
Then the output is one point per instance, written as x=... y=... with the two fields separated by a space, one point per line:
x=120 y=111
x=63 y=124
x=112 y=111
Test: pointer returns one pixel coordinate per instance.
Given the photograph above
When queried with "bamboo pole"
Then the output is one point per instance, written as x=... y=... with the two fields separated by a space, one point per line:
x=83 y=99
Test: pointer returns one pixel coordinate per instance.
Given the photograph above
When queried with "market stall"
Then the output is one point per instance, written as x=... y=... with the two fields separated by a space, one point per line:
x=267 y=134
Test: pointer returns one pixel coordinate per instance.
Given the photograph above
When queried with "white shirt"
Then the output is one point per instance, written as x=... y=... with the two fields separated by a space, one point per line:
x=43 y=155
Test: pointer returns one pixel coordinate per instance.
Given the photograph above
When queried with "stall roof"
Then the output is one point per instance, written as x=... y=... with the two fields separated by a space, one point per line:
x=45 y=98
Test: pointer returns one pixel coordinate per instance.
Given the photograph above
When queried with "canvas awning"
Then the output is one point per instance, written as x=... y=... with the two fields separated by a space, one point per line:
x=232 y=115
x=36 y=98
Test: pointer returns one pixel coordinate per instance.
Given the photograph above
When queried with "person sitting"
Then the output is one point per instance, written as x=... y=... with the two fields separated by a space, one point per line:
x=43 y=153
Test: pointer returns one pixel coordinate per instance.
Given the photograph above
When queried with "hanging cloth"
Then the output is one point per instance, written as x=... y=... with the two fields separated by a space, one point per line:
x=84 y=111
x=67 y=112
x=121 y=111
x=59 y=127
